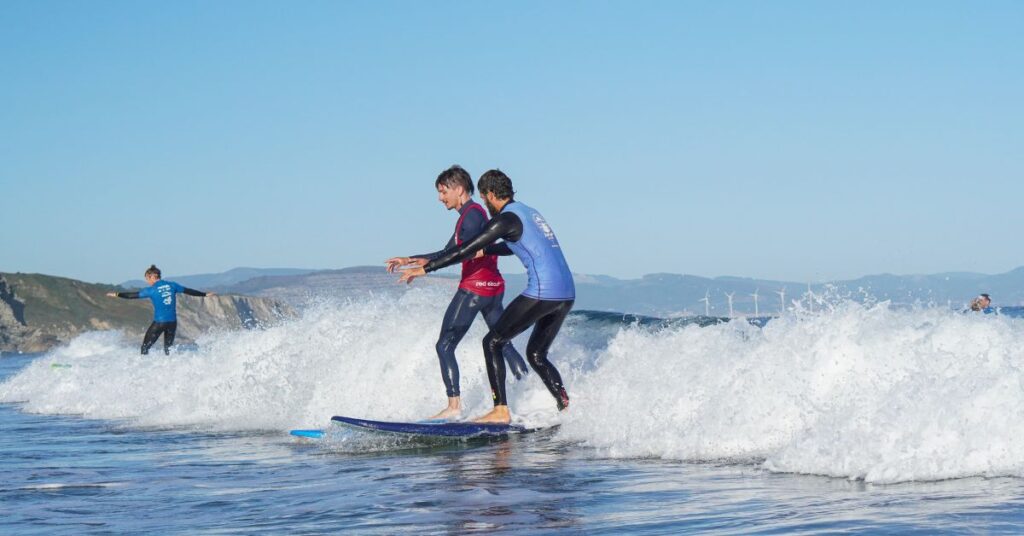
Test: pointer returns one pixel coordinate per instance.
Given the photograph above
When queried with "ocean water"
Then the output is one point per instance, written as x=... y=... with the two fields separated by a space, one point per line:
x=849 y=418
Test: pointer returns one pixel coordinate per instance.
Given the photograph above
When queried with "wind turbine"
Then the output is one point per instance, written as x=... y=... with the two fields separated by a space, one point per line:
x=754 y=295
x=729 y=296
x=782 y=300
x=707 y=301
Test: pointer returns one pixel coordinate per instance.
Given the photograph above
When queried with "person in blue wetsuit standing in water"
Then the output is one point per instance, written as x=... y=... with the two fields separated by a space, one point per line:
x=163 y=294
x=548 y=297
x=481 y=288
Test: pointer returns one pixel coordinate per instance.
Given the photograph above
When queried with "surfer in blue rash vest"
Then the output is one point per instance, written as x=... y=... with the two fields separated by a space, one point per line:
x=163 y=294
x=548 y=297
x=481 y=288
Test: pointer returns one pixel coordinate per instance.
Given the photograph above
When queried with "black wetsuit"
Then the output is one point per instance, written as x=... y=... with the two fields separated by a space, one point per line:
x=547 y=315
x=167 y=329
x=457 y=319
x=463 y=310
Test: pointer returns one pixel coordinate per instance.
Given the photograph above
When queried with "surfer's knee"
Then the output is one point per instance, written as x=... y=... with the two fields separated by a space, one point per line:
x=443 y=346
x=494 y=343
x=536 y=356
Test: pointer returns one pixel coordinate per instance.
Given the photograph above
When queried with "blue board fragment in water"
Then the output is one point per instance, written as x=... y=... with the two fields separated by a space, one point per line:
x=442 y=429
x=310 y=434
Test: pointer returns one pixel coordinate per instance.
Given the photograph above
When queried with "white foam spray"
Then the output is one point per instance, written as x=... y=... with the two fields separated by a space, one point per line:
x=854 y=391
x=857 y=392
x=372 y=358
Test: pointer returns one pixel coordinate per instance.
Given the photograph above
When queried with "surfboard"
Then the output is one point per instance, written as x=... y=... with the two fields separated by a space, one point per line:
x=436 y=429
x=319 y=434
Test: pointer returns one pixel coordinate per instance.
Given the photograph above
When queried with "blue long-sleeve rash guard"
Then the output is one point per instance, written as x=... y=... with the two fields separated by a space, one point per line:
x=163 y=295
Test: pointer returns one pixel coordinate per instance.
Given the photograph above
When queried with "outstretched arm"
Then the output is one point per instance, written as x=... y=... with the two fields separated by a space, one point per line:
x=395 y=263
x=125 y=295
x=436 y=254
x=504 y=226
x=201 y=294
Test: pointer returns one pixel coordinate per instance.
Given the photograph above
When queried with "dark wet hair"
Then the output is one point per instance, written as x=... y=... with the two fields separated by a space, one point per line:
x=153 y=270
x=496 y=182
x=455 y=176
x=986 y=296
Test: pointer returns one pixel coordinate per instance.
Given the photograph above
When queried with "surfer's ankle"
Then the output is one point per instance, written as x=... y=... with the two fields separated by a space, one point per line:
x=562 y=400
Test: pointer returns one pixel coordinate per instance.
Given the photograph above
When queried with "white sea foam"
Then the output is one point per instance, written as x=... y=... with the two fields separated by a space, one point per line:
x=861 y=392
x=856 y=392
x=372 y=358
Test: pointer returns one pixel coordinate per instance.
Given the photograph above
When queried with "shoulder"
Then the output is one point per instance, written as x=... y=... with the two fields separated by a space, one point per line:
x=507 y=217
x=474 y=216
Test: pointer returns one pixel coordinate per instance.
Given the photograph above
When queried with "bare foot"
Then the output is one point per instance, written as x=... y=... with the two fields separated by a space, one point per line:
x=453 y=410
x=448 y=414
x=498 y=415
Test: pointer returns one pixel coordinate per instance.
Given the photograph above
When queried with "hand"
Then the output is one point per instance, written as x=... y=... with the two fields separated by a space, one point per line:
x=479 y=254
x=412 y=273
x=210 y=294
x=112 y=294
x=395 y=262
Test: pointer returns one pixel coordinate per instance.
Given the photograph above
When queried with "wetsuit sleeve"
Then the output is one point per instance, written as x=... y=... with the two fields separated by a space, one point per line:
x=505 y=226
x=500 y=249
x=192 y=292
x=436 y=254
x=129 y=295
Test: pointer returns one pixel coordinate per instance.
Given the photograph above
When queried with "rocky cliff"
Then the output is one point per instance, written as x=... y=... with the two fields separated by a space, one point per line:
x=38 y=312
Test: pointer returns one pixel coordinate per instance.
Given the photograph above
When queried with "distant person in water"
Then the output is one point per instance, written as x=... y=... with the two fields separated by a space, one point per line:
x=481 y=289
x=982 y=303
x=548 y=297
x=163 y=294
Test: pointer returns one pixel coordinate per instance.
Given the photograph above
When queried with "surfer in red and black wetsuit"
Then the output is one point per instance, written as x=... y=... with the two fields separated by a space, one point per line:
x=481 y=289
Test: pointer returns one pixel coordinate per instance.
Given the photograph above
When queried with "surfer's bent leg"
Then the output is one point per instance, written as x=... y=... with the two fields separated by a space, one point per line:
x=543 y=335
x=492 y=313
x=457 y=320
x=152 y=335
x=170 y=329
x=519 y=316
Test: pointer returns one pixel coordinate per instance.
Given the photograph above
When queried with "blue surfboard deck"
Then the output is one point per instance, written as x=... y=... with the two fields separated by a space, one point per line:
x=440 y=429
x=319 y=434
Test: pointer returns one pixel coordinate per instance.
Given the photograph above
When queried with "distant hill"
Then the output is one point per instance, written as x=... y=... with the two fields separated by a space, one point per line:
x=223 y=279
x=672 y=294
x=353 y=282
x=40 y=311
x=957 y=287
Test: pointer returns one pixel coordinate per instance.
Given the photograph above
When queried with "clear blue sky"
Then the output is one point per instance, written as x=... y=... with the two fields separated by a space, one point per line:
x=789 y=140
